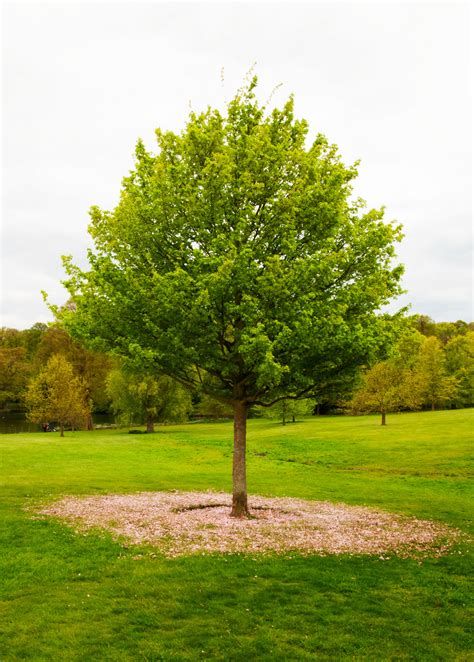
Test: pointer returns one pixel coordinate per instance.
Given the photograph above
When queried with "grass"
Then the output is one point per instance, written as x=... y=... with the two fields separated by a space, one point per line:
x=86 y=597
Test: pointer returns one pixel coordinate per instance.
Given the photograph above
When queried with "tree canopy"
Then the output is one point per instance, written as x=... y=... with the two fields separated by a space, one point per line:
x=138 y=397
x=238 y=260
x=58 y=394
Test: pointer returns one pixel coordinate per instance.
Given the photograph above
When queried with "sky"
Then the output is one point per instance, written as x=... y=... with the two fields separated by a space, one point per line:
x=389 y=83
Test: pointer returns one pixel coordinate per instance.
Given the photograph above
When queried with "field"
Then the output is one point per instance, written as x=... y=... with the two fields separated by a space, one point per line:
x=87 y=597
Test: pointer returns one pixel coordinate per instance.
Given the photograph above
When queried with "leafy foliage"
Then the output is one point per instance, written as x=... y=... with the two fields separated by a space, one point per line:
x=140 y=397
x=257 y=267
x=387 y=387
x=93 y=367
x=239 y=251
x=438 y=388
x=14 y=374
x=459 y=353
x=287 y=410
x=57 y=394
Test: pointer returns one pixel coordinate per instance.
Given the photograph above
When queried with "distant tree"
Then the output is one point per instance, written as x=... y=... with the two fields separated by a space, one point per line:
x=31 y=338
x=28 y=339
x=444 y=331
x=462 y=327
x=14 y=374
x=287 y=410
x=385 y=388
x=423 y=324
x=239 y=250
x=438 y=388
x=93 y=367
x=459 y=354
x=138 y=397
x=405 y=353
x=9 y=337
x=58 y=395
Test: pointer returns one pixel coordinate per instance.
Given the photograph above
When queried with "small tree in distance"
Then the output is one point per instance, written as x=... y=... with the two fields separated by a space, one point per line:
x=387 y=388
x=57 y=394
x=141 y=398
x=286 y=410
x=238 y=262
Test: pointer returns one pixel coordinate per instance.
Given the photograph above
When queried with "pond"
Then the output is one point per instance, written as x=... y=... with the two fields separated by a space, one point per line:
x=15 y=421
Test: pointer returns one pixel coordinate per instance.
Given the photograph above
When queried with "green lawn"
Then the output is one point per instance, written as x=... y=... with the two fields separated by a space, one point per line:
x=85 y=597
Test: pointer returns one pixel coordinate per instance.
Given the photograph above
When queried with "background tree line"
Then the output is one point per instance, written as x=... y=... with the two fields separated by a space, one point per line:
x=431 y=366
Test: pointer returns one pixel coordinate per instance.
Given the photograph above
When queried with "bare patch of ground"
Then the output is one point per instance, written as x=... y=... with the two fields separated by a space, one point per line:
x=183 y=523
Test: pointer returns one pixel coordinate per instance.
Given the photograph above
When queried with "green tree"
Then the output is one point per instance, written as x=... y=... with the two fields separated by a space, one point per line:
x=444 y=331
x=405 y=352
x=438 y=387
x=138 y=397
x=14 y=374
x=57 y=394
x=290 y=409
x=9 y=337
x=93 y=367
x=238 y=250
x=28 y=339
x=459 y=355
x=385 y=388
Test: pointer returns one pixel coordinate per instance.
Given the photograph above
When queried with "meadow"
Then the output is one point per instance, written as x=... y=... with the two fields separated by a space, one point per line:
x=69 y=596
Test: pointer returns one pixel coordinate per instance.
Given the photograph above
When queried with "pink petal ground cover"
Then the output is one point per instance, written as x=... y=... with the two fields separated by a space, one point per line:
x=183 y=523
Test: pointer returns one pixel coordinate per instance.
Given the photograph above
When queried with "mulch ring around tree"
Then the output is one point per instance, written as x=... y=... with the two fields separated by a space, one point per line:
x=184 y=523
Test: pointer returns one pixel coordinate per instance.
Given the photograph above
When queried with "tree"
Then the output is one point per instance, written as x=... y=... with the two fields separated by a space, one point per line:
x=405 y=353
x=139 y=397
x=459 y=354
x=444 y=331
x=14 y=374
x=286 y=409
x=423 y=324
x=93 y=367
x=386 y=388
x=28 y=339
x=57 y=394
x=438 y=387
x=240 y=251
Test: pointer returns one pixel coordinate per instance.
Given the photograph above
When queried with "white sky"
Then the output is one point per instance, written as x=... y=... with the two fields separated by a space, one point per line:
x=389 y=83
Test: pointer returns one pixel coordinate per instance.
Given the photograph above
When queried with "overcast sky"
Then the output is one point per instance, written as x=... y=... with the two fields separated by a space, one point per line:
x=389 y=83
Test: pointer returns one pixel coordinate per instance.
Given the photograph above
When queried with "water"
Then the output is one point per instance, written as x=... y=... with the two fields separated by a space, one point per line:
x=15 y=421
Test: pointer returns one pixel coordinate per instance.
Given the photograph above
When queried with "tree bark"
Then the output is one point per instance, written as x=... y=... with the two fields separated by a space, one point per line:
x=239 y=472
x=89 y=422
x=150 y=423
x=383 y=418
x=61 y=427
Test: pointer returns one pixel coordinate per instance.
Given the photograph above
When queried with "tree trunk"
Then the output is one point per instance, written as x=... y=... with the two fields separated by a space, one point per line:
x=89 y=422
x=239 y=473
x=61 y=427
x=150 y=423
x=383 y=418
